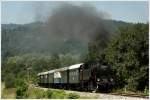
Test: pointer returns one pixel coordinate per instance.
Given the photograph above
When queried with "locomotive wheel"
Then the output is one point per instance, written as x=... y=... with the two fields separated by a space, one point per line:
x=91 y=87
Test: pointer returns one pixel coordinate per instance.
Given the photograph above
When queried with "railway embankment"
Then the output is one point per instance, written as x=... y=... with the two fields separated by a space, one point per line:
x=36 y=92
x=88 y=95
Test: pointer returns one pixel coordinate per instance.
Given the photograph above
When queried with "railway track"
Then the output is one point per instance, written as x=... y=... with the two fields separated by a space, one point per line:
x=105 y=95
x=130 y=95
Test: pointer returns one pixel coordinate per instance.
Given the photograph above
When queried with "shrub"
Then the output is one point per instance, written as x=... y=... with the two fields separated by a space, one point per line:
x=9 y=81
x=73 y=96
x=41 y=94
x=22 y=88
x=146 y=91
x=57 y=94
x=49 y=93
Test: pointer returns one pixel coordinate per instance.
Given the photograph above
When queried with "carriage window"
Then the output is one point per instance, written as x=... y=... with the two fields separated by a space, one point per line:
x=46 y=76
x=75 y=72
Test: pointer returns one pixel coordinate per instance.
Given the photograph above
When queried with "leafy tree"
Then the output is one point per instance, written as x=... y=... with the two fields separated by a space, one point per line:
x=128 y=54
x=55 y=61
x=69 y=59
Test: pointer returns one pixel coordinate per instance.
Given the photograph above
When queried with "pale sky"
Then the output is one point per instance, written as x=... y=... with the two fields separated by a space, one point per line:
x=24 y=12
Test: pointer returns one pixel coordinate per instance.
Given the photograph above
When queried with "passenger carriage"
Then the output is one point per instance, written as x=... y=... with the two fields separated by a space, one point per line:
x=79 y=76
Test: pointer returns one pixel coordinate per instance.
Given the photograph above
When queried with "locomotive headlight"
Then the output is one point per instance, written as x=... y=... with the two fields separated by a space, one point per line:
x=98 y=79
x=111 y=79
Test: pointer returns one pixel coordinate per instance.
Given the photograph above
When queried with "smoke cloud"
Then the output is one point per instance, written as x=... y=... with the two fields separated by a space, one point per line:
x=76 y=22
x=65 y=28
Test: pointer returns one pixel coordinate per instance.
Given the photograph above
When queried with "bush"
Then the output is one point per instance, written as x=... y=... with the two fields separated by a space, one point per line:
x=49 y=93
x=58 y=94
x=9 y=81
x=73 y=96
x=41 y=94
x=22 y=88
x=146 y=91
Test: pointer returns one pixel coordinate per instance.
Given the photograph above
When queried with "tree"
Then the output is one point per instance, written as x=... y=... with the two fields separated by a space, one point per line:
x=128 y=54
x=55 y=62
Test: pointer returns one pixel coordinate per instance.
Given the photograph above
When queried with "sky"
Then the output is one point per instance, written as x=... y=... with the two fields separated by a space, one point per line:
x=27 y=11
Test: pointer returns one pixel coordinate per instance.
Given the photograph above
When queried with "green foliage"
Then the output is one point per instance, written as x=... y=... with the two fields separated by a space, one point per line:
x=146 y=91
x=55 y=62
x=36 y=93
x=21 y=87
x=128 y=54
x=17 y=66
x=49 y=93
x=9 y=81
x=40 y=94
x=73 y=96
x=8 y=93
x=69 y=59
x=93 y=51
x=58 y=94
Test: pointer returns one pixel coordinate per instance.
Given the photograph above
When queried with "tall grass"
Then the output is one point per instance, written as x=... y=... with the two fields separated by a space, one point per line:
x=35 y=93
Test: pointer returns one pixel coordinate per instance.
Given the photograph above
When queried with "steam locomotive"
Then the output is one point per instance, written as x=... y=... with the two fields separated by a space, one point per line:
x=83 y=76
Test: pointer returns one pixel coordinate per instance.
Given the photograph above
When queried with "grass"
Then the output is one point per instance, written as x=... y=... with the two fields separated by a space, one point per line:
x=36 y=93
x=8 y=93
x=73 y=96
x=144 y=93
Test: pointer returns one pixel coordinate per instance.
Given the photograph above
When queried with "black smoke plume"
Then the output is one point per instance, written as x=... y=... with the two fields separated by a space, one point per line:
x=77 y=22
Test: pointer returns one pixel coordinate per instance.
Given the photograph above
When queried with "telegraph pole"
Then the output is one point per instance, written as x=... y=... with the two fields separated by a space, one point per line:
x=28 y=69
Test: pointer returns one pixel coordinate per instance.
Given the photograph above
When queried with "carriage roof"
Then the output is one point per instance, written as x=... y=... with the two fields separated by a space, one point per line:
x=75 y=66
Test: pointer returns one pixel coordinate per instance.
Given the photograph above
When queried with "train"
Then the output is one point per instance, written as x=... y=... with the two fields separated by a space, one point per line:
x=83 y=76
